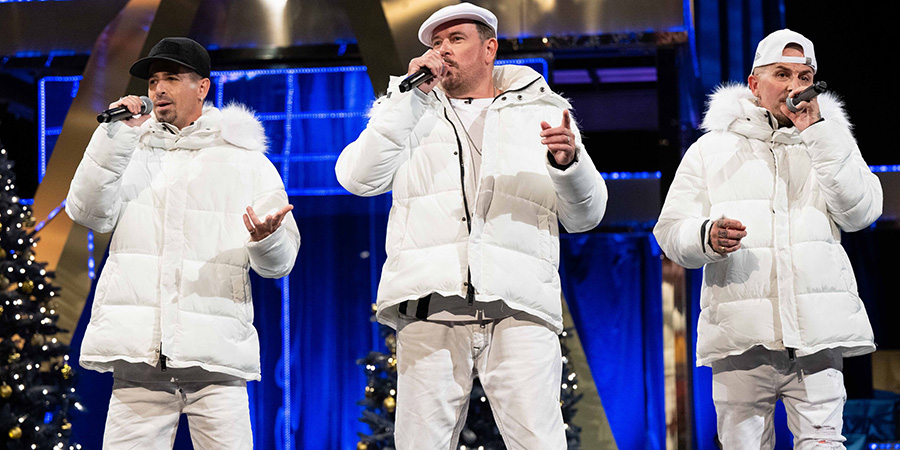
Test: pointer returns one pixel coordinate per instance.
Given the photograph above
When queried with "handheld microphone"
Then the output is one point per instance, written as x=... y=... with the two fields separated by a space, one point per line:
x=121 y=112
x=805 y=96
x=423 y=75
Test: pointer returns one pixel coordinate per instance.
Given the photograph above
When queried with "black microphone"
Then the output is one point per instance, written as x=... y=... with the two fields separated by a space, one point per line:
x=805 y=96
x=121 y=112
x=423 y=75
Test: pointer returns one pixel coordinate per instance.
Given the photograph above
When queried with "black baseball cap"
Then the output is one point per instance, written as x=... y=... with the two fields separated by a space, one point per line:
x=181 y=50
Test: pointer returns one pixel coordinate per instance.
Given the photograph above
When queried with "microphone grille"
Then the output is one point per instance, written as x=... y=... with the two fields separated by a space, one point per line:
x=147 y=106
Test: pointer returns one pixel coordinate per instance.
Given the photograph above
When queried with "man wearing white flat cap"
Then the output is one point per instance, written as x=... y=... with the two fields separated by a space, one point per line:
x=759 y=202
x=471 y=284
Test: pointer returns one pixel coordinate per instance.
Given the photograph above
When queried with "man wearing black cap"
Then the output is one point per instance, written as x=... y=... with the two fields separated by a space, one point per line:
x=172 y=316
x=479 y=177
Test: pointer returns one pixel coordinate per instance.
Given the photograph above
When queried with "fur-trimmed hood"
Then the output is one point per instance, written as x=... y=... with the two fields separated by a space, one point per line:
x=235 y=124
x=733 y=101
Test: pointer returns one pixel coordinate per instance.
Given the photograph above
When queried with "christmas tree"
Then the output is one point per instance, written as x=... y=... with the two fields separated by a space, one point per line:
x=36 y=381
x=480 y=431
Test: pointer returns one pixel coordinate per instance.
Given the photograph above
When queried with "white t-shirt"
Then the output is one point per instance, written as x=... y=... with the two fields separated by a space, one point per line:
x=471 y=113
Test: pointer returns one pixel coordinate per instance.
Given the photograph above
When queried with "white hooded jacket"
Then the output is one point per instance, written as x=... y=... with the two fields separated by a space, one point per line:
x=177 y=279
x=790 y=285
x=502 y=238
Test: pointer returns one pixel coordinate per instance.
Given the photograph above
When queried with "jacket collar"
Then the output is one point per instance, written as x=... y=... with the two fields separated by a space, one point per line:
x=733 y=108
x=234 y=124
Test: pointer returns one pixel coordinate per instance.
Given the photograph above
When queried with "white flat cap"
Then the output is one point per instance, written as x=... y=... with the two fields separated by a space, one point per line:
x=453 y=12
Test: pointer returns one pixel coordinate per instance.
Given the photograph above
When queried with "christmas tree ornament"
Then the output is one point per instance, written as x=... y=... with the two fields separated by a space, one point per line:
x=362 y=446
x=5 y=391
x=66 y=371
x=26 y=286
x=391 y=342
x=66 y=426
x=4 y=282
x=15 y=433
x=390 y=404
x=18 y=341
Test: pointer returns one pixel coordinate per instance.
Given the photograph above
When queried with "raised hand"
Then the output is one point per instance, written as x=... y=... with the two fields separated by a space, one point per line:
x=560 y=140
x=260 y=229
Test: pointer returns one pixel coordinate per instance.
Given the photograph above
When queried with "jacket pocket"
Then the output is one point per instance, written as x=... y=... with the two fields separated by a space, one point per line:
x=843 y=262
x=396 y=230
x=549 y=242
x=240 y=293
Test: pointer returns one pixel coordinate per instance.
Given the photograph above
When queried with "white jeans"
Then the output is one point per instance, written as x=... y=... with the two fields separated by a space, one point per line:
x=518 y=362
x=145 y=416
x=746 y=387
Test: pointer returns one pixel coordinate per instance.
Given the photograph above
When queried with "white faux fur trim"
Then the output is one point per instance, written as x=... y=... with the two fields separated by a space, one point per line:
x=725 y=106
x=241 y=128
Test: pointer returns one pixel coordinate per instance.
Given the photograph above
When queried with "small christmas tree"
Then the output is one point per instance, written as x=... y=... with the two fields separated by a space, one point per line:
x=480 y=431
x=35 y=377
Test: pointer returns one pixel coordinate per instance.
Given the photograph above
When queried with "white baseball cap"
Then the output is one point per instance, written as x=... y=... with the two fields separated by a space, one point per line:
x=769 y=50
x=454 y=12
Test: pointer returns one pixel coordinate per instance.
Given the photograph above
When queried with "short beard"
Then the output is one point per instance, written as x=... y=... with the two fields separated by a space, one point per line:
x=168 y=118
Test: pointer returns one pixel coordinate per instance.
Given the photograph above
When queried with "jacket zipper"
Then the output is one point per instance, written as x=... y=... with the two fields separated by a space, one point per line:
x=470 y=290
x=162 y=358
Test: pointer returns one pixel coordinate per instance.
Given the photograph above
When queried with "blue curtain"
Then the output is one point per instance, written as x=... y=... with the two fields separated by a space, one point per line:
x=611 y=282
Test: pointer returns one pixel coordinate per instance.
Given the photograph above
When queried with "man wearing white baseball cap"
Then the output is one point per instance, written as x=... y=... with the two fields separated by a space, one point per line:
x=759 y=202
x=471 y=283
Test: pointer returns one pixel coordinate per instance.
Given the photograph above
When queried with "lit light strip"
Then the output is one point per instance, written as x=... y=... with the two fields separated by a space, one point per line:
x=305 y=157
x=233 y=75
x=631 y=175
x=312 y=115
x=90 y=247
x=316 y=192
x=50 y=216
x=42 y=118
x=285 y=290
x=220 y=91
x=286 y=351
x=885 y=168
x=527 y=61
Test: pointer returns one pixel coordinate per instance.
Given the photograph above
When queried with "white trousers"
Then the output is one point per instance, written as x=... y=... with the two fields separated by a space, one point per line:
x=518 y=362
x=145 y=416
x=746 y=387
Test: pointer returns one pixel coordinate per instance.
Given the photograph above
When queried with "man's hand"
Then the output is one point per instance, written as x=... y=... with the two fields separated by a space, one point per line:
x=807 y=115
x=434 y=62
x=259 y=230
x=559 y=140
x=134 y=105
x=725 y=235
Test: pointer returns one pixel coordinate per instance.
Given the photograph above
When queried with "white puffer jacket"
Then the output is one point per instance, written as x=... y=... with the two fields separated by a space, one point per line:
x=790 y=285
x=177 y=274
x=506 y=233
